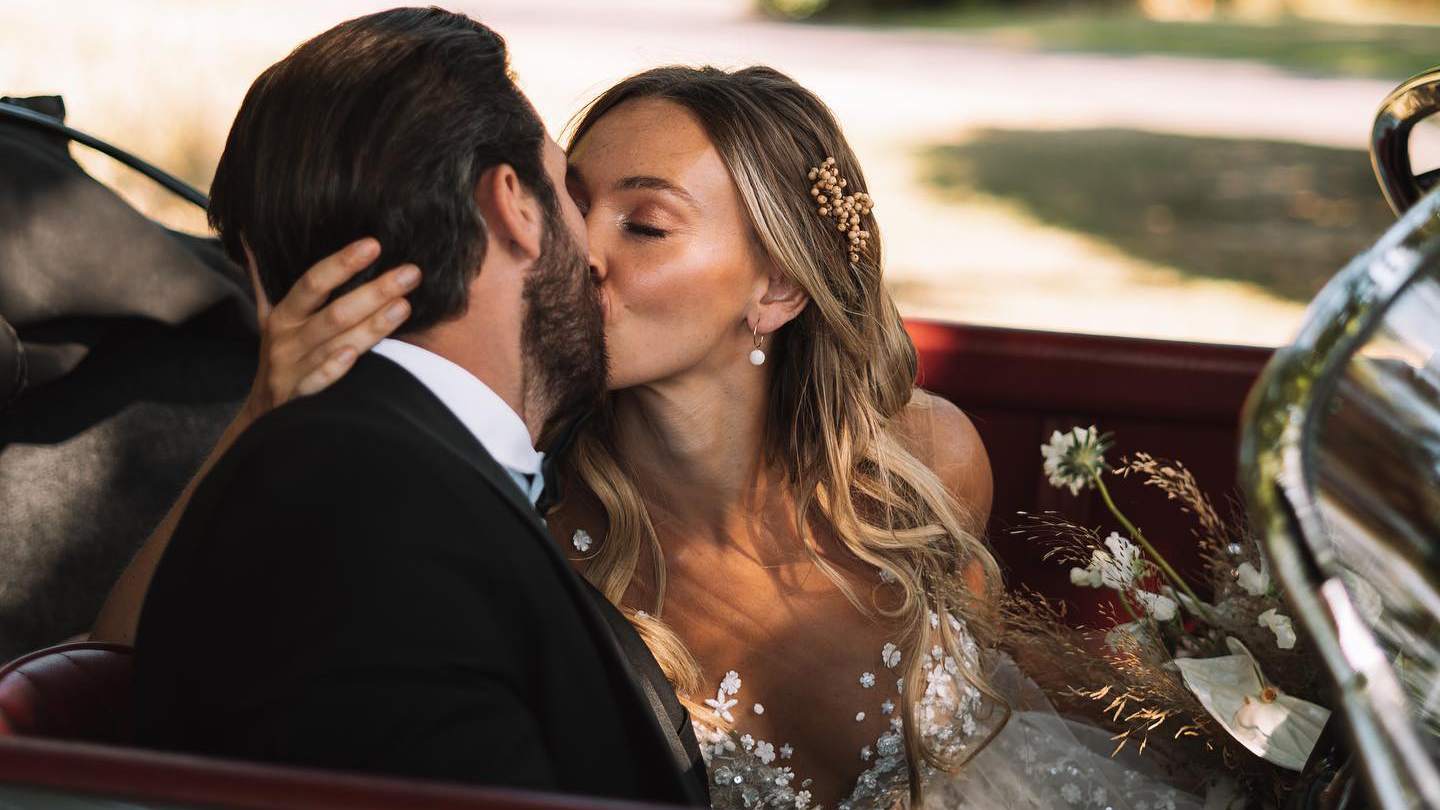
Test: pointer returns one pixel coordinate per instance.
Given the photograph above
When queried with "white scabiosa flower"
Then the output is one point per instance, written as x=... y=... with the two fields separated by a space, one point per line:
x=1254 y=582
x=1087 y=577
x=581 y=541
x=1161 y=608
x=1073 y=459
x=765 y=752
x=1125 y=635
x=1124 y=561
x=1114 y=566
x=1279 y=625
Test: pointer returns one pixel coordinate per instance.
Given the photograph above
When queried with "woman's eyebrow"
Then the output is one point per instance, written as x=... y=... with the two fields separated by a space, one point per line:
x=647 y=182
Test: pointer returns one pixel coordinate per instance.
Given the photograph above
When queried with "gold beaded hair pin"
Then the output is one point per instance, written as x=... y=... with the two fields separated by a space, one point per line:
x=847 y=209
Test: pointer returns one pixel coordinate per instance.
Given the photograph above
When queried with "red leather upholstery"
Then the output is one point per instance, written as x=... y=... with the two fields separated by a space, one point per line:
x=133 y=775
x=1173 y=400
x=77 y=695
x=75 y=691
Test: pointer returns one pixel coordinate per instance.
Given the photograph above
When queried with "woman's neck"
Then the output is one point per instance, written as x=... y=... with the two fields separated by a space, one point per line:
x=696 y=447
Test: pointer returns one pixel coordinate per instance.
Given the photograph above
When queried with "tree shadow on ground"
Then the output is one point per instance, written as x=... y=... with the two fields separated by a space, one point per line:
x=1387 y=51
x=1284 y=216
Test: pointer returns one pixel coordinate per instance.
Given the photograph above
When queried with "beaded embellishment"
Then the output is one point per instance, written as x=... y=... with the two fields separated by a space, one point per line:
x=847 y=209
x=754 y=774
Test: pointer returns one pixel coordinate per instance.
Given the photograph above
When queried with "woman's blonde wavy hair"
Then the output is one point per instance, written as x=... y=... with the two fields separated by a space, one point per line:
x=840 y=374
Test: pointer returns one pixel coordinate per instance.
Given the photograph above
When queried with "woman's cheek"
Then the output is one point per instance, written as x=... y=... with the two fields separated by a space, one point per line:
x=651 y=277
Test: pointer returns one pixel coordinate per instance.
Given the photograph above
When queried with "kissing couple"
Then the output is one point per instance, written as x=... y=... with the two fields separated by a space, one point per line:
x=744 y=567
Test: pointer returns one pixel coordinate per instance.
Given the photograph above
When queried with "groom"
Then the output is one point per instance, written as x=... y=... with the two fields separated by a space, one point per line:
x=363 y=581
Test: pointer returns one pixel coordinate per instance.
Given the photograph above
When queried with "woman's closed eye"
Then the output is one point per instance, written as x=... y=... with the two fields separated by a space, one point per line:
x=645 y=231
x=649 y=221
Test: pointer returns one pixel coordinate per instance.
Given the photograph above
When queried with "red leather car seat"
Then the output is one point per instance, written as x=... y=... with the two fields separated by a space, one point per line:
x=78 y=691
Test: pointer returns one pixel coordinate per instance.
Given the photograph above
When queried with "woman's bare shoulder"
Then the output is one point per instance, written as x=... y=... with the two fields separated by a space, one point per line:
x=944 y=438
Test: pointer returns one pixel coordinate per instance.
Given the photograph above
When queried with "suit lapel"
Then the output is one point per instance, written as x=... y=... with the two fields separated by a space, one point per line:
x=415 y=403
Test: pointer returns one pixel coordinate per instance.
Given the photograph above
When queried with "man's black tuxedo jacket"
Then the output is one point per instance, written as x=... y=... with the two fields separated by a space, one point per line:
x=359 y=585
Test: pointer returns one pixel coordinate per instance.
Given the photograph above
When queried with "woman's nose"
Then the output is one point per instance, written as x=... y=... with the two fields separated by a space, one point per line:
x=595 y=248
x=598 y=270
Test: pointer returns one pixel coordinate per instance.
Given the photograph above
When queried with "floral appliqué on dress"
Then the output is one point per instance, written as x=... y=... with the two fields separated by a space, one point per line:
x=753 y=774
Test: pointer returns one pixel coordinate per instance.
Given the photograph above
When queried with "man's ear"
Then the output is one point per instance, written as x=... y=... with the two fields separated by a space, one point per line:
x=511 y=212
x=781 y=302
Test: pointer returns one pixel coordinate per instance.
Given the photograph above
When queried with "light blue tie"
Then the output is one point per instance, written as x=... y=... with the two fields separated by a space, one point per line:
x=530 y=485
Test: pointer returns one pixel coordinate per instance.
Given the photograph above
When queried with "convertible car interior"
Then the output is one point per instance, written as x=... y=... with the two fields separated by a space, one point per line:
x=64 y=710
x=95 y=379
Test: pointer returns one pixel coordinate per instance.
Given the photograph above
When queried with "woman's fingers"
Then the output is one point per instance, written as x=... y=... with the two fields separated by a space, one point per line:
x=309 y=344
x=331 y=370
x=329 y=363
x=313 y=288
x=384 y=296
x=302 y=359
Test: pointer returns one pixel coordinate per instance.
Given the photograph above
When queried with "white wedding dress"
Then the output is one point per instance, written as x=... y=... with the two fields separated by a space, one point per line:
x=1037 y=760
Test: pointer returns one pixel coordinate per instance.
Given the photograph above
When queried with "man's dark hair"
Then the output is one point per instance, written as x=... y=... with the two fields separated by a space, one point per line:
x=379 y=127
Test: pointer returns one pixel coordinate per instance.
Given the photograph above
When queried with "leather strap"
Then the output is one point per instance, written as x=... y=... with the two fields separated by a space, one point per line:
x=14 y=371
x=679 y=733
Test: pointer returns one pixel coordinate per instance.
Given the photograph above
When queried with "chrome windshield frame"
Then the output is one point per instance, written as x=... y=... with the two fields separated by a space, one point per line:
x=1407 y=105
x=1277 y=478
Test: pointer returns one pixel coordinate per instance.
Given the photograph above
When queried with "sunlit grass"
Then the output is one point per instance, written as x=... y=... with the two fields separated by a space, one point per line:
x=1324 y=48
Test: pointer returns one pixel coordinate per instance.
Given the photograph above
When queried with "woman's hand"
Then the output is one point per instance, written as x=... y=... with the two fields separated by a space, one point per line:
x=304 y=347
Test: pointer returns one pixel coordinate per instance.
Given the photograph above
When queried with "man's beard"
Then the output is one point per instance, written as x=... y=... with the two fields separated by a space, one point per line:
x=563 y=332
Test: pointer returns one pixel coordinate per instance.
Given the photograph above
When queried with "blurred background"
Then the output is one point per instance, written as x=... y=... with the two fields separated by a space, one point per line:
x=1188 y=169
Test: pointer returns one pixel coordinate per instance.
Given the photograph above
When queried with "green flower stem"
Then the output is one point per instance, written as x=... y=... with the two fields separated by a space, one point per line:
x=1149 y=549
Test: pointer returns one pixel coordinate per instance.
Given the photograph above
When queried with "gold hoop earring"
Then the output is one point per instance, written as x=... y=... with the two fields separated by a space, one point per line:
x=757 y=355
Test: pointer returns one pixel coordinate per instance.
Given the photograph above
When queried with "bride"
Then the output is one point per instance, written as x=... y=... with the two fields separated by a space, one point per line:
x=793 y=526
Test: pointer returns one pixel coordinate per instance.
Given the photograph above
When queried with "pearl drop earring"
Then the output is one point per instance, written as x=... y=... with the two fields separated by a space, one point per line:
x=757 y=355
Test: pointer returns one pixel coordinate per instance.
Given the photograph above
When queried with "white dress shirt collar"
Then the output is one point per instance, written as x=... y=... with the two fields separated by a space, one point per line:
x=497 y=427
